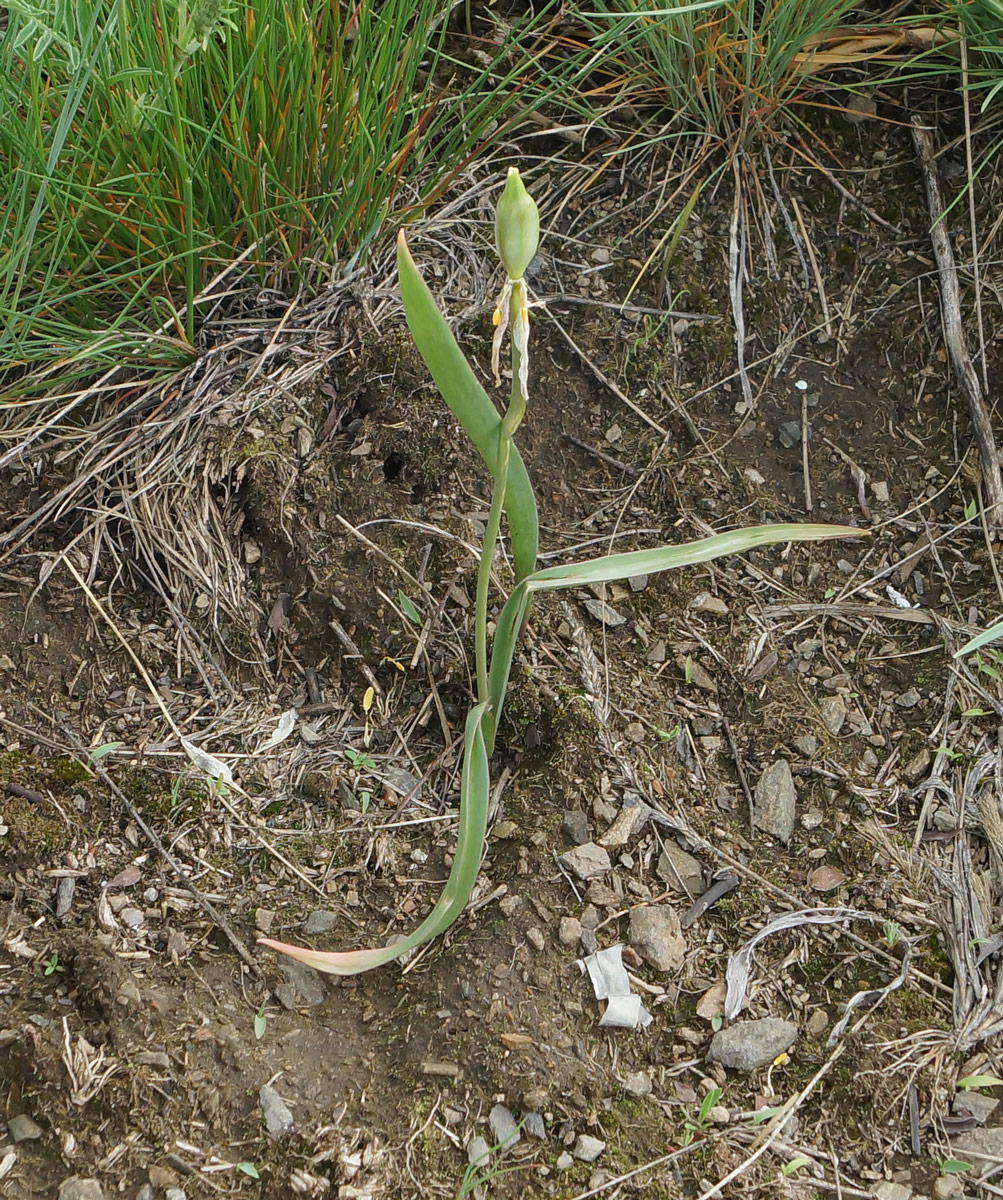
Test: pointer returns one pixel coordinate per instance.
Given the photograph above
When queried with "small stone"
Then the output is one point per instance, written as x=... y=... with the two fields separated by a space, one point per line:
x=775 y=801
x=679 y=871
x=535 y=937
x=656 y=935
x=575 y=827
x=504 y=1129
x=599 y=1179
x=320 y=921
x=976 y=1105
x=833 y=710
x=128 y=991
x=24 y=1129
x=603 y=613
x=917 y=766
x=706 y=603
x=263 y=919
x=161 y=1176
x=908 y=699
x=76 y=1188
x=146 y=1192
x=946 y=1187
x=658 y=653
x=504 y=831
x=628 y=822
x=982 y=1143
x=719 y=1115
x=175 y=1194
x=826 y=878
x=637 y=583
x=879 y=490
x=806 y=745
x=887 y=1190
x=64 y=896
x=133 y=917
x=569 y=931
x=304 y=986
x=602 y=894
x=747 y=1045
x=754 y=477
x=565 y=1161
x=478 y=1151
x=586 y=1148
x=587 y=861
x=536 y=1099
x=711 y=1003
x=812 y=818
x=276 y=1114
x=534 y=1126
x=638 y=1085
x=817 y=1023
x=152 y=1058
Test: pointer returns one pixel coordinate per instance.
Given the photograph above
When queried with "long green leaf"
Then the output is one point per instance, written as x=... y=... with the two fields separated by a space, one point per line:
x=620 y=566
x=470 y=404
x=474 y=793
x=981 y=639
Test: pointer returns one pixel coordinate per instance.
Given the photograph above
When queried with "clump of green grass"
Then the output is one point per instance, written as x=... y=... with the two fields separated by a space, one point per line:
x=146 y=147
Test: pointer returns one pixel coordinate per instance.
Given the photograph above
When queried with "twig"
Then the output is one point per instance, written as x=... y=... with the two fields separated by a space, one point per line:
x=950 y=303
x=602 y=455
x=736 y=279
x=804 y=451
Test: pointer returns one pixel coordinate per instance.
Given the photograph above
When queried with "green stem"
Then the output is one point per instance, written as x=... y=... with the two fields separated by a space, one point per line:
x=491 y=531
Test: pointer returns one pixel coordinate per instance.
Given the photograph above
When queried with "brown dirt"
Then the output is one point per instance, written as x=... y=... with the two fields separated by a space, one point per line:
x=389 y=1075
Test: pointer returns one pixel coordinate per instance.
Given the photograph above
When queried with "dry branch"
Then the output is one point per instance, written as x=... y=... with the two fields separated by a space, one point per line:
x=954 y=334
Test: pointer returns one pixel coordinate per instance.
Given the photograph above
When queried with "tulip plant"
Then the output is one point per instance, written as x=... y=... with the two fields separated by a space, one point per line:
x=517 y=233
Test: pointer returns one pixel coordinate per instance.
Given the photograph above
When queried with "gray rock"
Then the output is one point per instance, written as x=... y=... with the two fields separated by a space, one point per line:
x=146 y=1192
x=504 y=1129
x=76 y=1188
x=604 y=613
x=776 y=800
x=570 y=931
x=586 y=1148
x=656 y=935
x=133 y=917
x=64 y=896
x=917 y=766
x=637 y=583
x=599 y=1179
x=747 y=1045
x=478 y=1151
x=320 y=921
x=980 y=1146
x=175 y=1194
x=534 y=1126
x=277 y=1116
x=679 y=871
x=586 y=861
x=24 y=1129
x=304 y=984
x=564 y=1161
x=638 y=1085
x=534 y=936
x=974 y=1103
x=807 y=745
x=908 y=699
x=887 y=1190
x=833 y=711
x=946 y=1187
x=575 y=827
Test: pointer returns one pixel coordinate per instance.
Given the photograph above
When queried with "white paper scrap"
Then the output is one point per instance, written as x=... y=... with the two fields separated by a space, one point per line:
x=609 y=980
x=287 y=723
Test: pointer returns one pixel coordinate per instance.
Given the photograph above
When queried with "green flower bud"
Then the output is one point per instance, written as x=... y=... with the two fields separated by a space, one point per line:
x=517 y=226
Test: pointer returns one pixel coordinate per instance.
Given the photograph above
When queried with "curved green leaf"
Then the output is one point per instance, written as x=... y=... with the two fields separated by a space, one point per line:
x=474 y=793
x=470 y=404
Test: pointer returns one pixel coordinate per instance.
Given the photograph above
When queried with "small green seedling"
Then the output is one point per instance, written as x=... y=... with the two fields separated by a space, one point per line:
x=53 y=965
x=698 y=1124
x=948 y=753
x=979 y=1081
x=765 y=1114
x=100 y=752
x=360 y=760
x=248 y=1168
x=795 y=1165
x=716 y=1023
x=688 y=669
x=408 y=608
x=891 y=933
x=953 y=1166
x=260 y=1021
x=971 y=509
x=667 y=735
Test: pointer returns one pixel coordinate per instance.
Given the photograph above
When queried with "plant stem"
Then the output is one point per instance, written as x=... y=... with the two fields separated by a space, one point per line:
x=491 y=531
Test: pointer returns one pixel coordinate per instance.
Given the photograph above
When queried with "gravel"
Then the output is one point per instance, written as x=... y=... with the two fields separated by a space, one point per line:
x=833 y=710
x=656 y=935
x=277 y=1116
x=747 y=1045
x=775 y=801
x=76 y=1188
x=504 y=1129
x=586 y=862
x=24 y=1129
x=587 y=1148
x=575 y=827
x=320 y=921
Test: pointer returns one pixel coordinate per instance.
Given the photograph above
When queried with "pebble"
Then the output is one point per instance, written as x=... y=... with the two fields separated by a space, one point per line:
x=587 y=1148
x=637 y=583
x=76 y=1188
x=706 y=603
x=263 y=918
x=534 y=1126
x=504 y=1129
x=946 y=1187
x=982 y=1143
x=908 y=699
x=775 y=801
x=638 y=1085
x=303 y=985
x=604 y=613
x=24 y=1129
x=917 y=766
x=887 y=1190
x=146 y=1192
x=320 y=921
x=535 y=937
x=979 y=1106
x=152 y=1058
x=64 y=896
x=599 y=1179
x=570 y=931
x=656 y=935
x=679 y=871
x=277 y=1116
x=818 y=1022
x=747 y=1045
x=564 y=1161
x=175 y=1194
x=586 y=861
x=833 y=711
x=807 y=745
x=575 y=827
x=879 y=490
x=478 y=1151
x=133 y=917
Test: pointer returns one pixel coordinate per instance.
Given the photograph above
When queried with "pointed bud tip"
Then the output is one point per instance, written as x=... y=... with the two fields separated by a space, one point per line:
x=517 y=226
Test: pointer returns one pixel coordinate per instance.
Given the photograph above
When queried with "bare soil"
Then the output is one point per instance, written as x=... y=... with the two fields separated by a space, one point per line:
x=132 y=1031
